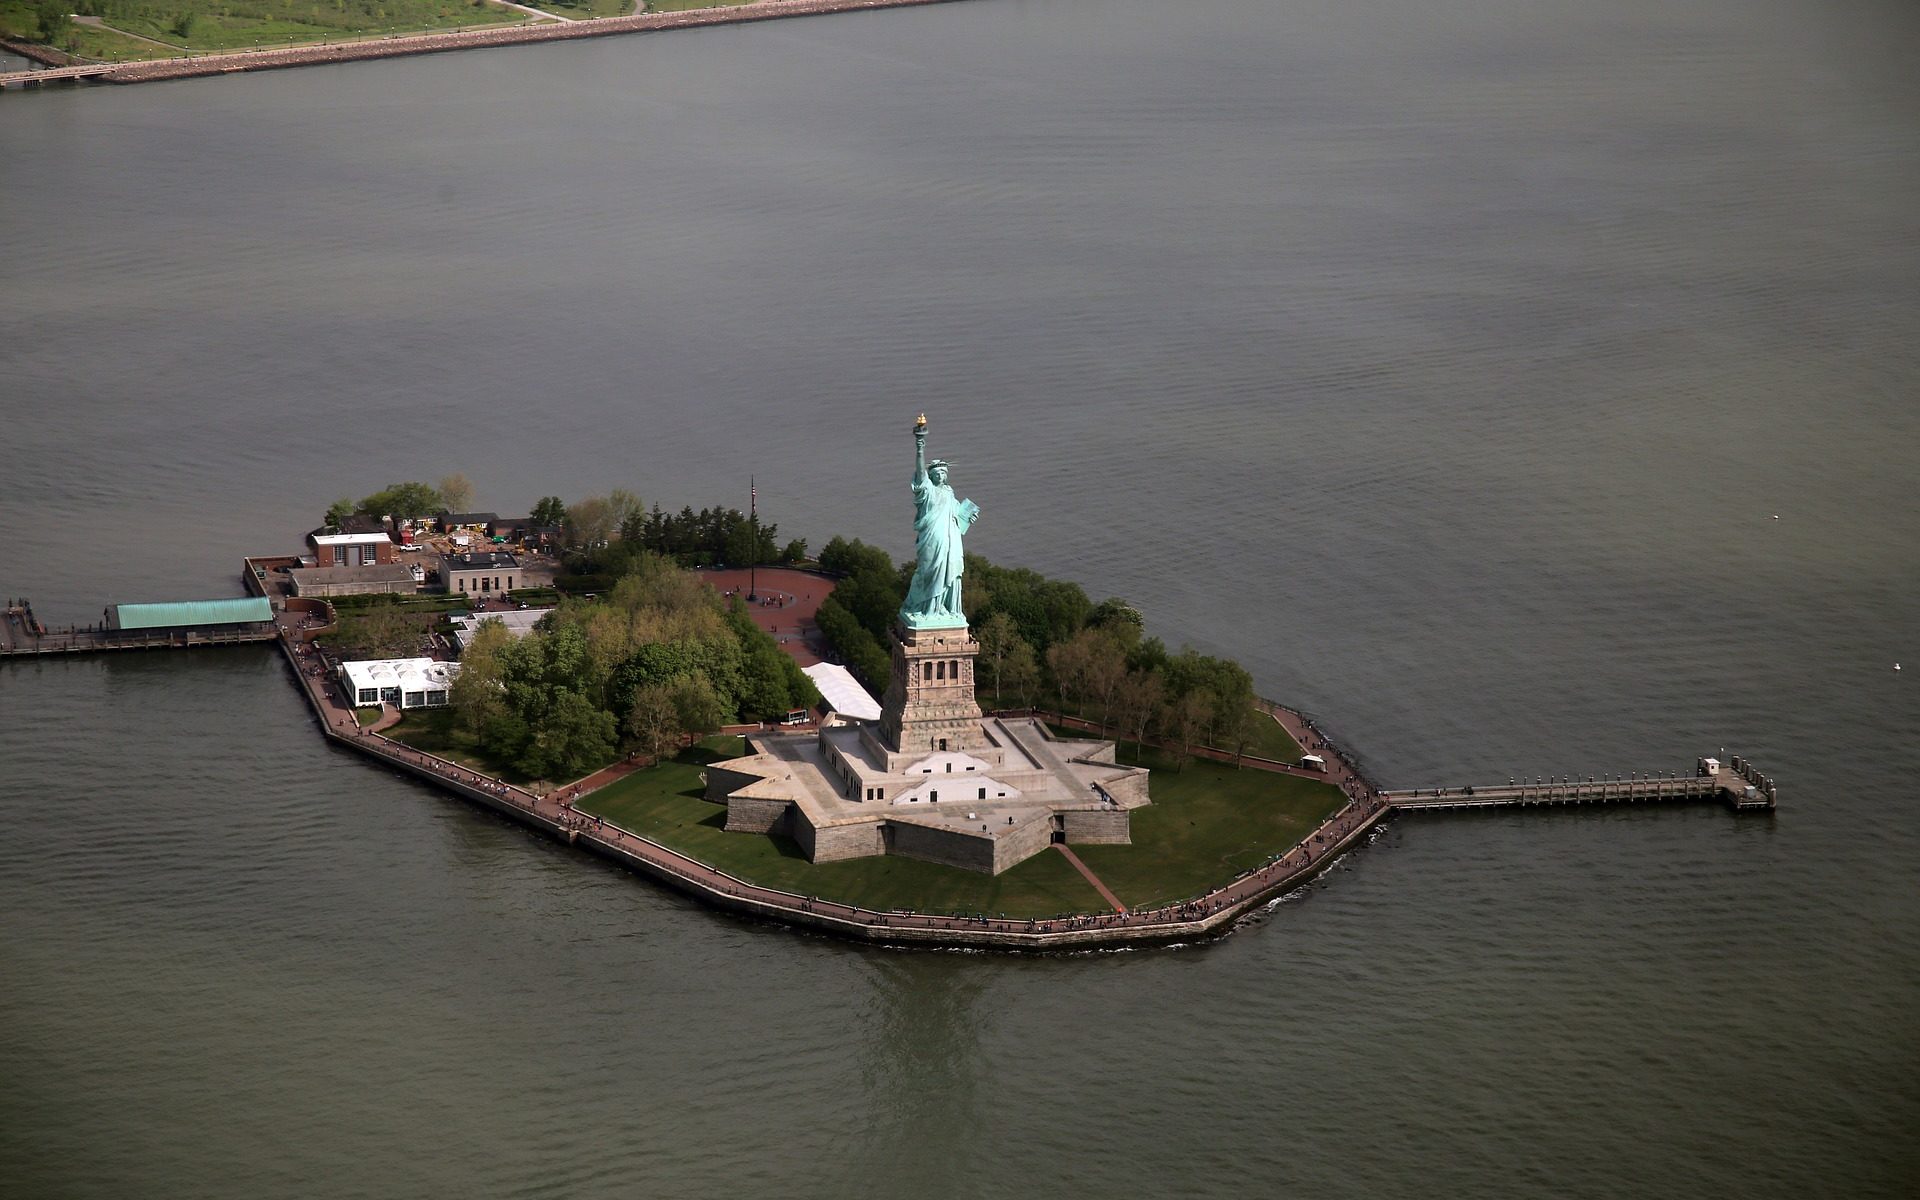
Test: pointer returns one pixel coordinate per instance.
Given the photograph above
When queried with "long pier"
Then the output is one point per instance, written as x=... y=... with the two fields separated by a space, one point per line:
x=1737 y=783
x=23 y=635
x=30 y=79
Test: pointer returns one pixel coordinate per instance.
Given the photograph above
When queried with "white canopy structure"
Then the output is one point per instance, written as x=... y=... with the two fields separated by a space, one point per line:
x=843 y=692
x=401 y=682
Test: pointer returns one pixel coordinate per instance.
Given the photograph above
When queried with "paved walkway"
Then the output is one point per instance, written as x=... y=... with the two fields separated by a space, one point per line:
x=1093 y=879
x=536 y=12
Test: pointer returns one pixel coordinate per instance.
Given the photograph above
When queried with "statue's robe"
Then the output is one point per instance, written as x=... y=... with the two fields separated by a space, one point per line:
x=940 y=522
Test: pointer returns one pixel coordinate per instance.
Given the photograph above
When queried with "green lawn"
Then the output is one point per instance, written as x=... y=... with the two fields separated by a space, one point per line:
x=203 y=28
x=664 y=803
x=108 y=46
x=581 y=9
x=1271 y=740
x=367 y=716
x=1207 y=823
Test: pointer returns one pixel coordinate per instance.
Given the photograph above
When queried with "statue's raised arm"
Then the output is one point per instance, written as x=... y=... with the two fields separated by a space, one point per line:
x=920 y=450
x=939 y=523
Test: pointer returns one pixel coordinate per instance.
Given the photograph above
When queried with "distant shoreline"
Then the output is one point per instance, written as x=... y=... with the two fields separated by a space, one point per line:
x=471 y=39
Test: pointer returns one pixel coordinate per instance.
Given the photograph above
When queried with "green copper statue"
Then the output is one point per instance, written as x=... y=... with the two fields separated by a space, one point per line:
x=940 y=522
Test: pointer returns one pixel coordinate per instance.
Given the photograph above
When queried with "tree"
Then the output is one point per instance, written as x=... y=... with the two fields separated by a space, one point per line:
x=1119 y=620
x=477 y=696
x=1226 y=684
x=1106 y=670
x=1138 y=703
x=795 y=552
x=1020 y=673
x=720 y=661
x=1068 y=662
x=624 y=510
x=382 y=631
x=457 y=493
x=856 y=646
x=574 y=736
x=764 y=694
x=841 y=557
x=997 y=636
x=403 y=500
x=742 y=546
x=550 y=512
x=1087 y=668
x=1186 y=718
x=1236 y=728
x=698 y=706
x=654 y=720
x=339 y=511
x=55 y=23
x=590 y=522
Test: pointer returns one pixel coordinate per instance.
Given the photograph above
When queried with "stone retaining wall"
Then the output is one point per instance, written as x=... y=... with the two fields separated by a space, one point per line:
x=1098 y=828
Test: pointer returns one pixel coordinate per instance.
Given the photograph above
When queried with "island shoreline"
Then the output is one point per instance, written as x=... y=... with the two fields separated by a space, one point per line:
x=1204 y=917
x=406 y=45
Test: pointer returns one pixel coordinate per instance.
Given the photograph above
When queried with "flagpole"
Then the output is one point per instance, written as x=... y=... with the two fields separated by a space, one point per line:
x=753 y=560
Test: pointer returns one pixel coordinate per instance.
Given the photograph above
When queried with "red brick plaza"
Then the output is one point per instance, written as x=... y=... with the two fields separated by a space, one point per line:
x=788 y=600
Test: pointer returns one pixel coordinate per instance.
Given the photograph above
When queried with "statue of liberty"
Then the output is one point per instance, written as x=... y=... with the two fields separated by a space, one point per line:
x=940 y=522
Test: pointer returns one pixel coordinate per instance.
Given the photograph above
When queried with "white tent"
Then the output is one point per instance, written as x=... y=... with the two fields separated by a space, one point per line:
x=843 y=692
x=401 y=682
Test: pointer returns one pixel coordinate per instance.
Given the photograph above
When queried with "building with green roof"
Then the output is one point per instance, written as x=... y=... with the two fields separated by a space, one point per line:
x=250 y=611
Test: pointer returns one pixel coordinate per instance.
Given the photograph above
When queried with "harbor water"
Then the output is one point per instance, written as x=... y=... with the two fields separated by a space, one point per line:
x=1524 y=388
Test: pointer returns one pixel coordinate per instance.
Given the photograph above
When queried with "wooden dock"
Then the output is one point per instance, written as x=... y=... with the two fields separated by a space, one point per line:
x=1737 y=784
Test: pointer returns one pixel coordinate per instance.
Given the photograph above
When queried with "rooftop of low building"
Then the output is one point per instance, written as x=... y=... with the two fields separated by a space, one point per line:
x=481 y=560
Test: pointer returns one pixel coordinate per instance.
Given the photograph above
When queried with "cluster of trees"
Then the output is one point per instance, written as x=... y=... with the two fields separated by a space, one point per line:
x=607 y=534
x=1042 y=640
x=404 y=501
x=379 y=631
x=658 y=659
x=56 y=26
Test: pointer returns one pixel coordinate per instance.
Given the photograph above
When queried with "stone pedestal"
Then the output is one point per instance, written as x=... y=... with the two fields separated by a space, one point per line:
x=929 y=705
